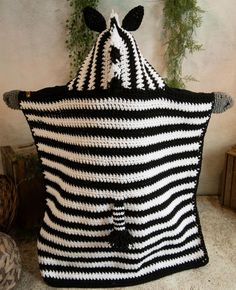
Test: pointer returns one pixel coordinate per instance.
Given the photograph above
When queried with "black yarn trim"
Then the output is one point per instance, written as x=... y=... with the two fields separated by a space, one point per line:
x=59 y=93
x=126 y=282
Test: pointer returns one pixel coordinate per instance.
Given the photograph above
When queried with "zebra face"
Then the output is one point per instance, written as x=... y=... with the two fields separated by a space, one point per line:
x=115 y=60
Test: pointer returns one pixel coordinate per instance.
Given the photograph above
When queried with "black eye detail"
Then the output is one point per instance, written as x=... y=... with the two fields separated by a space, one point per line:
x=94 y=20
x=115 y=54
x=133 y=19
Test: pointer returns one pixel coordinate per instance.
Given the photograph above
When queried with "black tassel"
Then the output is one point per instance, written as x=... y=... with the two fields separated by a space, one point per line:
x=121 y=240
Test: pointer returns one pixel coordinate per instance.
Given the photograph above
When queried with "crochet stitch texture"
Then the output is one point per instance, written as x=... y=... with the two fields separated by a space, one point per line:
x=121 y=156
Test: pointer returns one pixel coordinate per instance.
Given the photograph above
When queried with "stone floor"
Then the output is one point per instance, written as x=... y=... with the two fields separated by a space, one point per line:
x=219 y=230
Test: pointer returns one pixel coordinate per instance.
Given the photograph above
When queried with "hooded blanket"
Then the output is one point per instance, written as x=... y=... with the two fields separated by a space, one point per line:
x=121 y=156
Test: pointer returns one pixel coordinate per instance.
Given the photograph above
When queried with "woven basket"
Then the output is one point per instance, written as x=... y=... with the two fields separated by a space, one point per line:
x=10 y=262
x=8 y=202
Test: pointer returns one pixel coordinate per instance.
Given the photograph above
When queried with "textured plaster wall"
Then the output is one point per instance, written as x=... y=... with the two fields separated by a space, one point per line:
x=33 y=55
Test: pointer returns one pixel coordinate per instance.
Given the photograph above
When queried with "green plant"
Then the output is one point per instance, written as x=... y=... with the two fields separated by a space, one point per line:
x=79 y=38
x=181 y=18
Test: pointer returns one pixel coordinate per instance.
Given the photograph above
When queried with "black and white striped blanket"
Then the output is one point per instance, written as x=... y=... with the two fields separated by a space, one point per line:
x=121 y=156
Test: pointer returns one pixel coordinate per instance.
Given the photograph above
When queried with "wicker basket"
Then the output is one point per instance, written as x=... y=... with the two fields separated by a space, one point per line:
x=8 y=202
x=10 y=262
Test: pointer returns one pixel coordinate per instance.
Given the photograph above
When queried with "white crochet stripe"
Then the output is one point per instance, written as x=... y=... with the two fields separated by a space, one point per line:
x=83 y=70
x=133 y=206
x=126 y=255
x=116 y=104
x=118 y=208
x=119 y=228
x=140 y=66
x=77 y=219
x=146 y=73
x=171 y=233
x=154 y=74
x=149 y=80
x=119 y=178
x=125 y=66
x=142 y=219
x=80 y=79
x=82 y=244
x=129 y=206
x=117 y=275
x=160 y=199
x=106 y=63
x=70 y=244
x=111 y=142
x=92 y=75
x=135 y=233
x=140 y=245
x=70 y=85
x=118 y=214
x=118 y=195
x=120 y=265
x=115 y=37
x=115 y=68
x=138 y=70
x=104 y=160
x=77 y=204
x=77 y=231
x=167 y=224
x=96 y=255
x=139 y=255
x=114 y=123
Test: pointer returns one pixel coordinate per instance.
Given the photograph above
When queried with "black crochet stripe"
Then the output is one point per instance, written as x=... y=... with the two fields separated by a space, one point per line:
x=115 y=151
x=128 y=169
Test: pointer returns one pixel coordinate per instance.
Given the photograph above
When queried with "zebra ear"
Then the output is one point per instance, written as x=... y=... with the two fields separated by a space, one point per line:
x=94 y=20
x=133 y=19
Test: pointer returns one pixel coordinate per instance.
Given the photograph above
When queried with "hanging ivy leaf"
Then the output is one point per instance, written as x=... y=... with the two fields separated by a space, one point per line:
x=79 y=38
x=181 y=18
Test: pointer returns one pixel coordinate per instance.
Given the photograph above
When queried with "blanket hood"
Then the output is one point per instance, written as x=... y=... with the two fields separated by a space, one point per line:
x=115 y=60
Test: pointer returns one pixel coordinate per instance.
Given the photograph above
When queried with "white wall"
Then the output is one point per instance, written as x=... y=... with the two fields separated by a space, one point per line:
x=215 y=69
x=33 y=55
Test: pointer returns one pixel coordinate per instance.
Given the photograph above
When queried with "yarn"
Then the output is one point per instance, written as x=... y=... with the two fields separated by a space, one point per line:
x=222 y=103
x=11 y=99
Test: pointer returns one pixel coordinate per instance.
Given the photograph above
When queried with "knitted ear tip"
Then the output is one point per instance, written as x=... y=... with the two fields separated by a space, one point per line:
x=5 y=96
x=223 y=102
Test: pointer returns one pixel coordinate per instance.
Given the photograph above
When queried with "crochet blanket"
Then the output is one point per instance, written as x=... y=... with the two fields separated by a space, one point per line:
x=121 y=155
